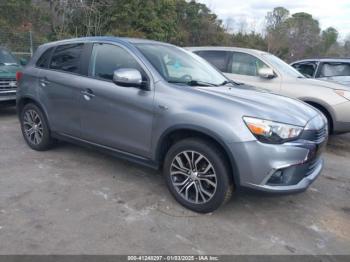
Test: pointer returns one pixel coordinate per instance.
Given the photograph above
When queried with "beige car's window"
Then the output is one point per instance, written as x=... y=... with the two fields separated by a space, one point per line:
x=245 y=64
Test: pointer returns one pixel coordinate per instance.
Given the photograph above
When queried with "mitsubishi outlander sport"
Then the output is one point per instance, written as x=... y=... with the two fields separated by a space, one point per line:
x=164 y=107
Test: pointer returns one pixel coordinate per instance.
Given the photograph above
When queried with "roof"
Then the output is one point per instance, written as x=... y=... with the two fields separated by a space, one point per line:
x=347 y=60
x=105 y=39
x=226 y=48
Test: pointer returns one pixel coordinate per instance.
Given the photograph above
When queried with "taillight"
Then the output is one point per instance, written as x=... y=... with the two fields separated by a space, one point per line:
x=19 y=75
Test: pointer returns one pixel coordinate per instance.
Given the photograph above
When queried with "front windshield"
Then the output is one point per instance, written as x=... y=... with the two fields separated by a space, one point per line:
x=6 y=58
x=282 y=66
x=180 y=66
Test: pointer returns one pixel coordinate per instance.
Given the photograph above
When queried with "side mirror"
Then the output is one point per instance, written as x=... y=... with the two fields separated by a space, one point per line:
x=266 y=72
x=23 y=61
x=127 y=77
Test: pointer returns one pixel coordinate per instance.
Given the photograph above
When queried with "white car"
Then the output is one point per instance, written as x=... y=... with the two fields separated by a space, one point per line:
x=264 y=70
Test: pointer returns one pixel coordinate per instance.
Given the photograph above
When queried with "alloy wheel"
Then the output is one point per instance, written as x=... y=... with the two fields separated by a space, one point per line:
x=33 y=127
x=193 y=176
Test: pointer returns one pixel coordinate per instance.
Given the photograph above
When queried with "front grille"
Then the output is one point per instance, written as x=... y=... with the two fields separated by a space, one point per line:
x=321 y=133
x=8 y=84
x=315 y=135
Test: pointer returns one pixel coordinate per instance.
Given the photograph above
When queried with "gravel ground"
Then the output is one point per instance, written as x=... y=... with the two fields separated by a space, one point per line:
x=71 y=200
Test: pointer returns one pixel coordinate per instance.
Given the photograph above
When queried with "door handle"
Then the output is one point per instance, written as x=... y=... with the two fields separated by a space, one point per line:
x=88 y=94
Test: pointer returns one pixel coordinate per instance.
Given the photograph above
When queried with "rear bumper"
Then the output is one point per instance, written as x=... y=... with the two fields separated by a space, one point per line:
x=9 y=95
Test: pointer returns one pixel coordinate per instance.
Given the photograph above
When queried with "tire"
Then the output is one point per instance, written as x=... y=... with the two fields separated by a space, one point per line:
x=35 y=128
x=327 y=116
x=180 y=179
x=329 y=122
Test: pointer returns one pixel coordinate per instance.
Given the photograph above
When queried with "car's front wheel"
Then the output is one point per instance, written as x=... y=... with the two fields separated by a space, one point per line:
x=35 y=128
x=197 y=175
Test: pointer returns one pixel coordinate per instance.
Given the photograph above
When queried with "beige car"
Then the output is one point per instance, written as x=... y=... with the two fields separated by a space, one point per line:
x=261 y=69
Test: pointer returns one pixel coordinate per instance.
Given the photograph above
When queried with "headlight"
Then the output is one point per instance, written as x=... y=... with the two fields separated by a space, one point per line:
x=272 y=132
x=343 y=93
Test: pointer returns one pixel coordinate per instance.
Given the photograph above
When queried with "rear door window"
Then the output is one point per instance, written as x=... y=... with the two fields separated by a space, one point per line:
x=67 y=58
x=219 y=59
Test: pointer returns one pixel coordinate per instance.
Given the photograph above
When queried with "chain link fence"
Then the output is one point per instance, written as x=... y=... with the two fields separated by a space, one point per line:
x=21 y=44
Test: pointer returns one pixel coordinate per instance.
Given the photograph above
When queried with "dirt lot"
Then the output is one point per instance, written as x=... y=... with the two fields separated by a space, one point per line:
x=71 y=200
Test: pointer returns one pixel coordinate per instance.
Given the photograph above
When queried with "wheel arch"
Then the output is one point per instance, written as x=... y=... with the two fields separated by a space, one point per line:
x=177 y=133
x=324 y=109
x=26 y=100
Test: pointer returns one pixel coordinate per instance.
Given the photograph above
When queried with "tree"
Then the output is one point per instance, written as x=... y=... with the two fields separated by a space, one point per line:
x=292 y=37
x=275 y=18
x=276 y=31
x=302 y=28
x=329 y=38
x=17 y=18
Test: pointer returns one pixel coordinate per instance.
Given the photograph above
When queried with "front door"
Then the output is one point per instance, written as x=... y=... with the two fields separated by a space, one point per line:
x=116 y=116
x=244 y=68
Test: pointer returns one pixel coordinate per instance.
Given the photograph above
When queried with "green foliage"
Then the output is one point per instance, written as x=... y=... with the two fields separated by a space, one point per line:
x=251 y=40
x=299 y=36
x=17 y=18
x=275 y=18
x=181 y=22
x=329 y=38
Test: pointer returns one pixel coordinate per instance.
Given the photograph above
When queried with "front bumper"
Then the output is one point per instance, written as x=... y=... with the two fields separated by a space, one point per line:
x=7 y=95
x=300 y=186
x=285 y=168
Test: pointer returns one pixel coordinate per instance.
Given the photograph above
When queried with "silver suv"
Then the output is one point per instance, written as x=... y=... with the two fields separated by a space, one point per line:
x=164 y=107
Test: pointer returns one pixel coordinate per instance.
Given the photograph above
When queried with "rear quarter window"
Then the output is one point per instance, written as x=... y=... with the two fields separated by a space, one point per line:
x=67 y=58
x=44 y=59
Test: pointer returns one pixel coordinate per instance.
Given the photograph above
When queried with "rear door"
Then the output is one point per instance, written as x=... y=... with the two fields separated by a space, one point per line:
x=116 y=116
x=61 y=85
x=219 y=59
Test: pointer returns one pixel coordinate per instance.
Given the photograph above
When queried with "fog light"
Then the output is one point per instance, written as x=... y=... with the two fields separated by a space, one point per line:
x=276 y=178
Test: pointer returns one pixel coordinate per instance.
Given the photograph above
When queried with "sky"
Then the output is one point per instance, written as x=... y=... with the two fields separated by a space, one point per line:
x=334 y=13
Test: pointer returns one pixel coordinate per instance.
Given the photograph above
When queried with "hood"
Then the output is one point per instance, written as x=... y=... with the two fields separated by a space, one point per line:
x=253 y=88
x=319 y=83
x=343 y=80
x=9 y=71
x=265 y=105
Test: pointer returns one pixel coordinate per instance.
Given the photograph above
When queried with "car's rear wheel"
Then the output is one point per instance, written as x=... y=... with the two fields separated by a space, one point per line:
x=197 y=175
x=35 y=128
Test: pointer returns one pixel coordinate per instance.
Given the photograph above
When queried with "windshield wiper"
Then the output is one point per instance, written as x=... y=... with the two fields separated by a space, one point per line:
x=230 y=82
x=199 y=83
x=192 y=83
